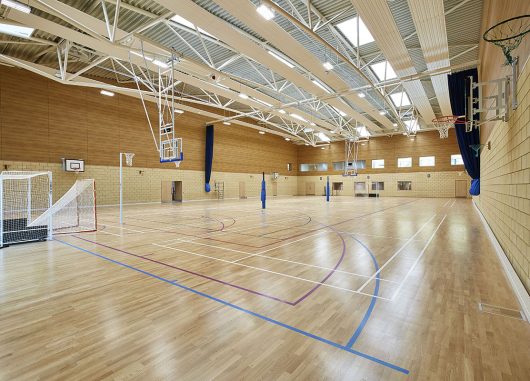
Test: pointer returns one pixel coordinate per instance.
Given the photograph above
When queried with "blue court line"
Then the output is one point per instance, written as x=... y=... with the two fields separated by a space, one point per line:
x=263 y=317
x=368 y=312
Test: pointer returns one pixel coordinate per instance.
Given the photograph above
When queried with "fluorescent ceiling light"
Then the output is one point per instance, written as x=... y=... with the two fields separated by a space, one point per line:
x=16 y=5
x=296 y=116
x=382 y=112
x=400 y=99
x=265 y=11
x=141 y=55
x=349 y=29
x=383 y=70
x=320 y=85
x=182 y=21
x=107 y=93
x=287 y=139
x=363 y=132
x=178 y=111
x=281 y=59
x=161 y=64
x=323 y=137
x=328 y=66
x=227 y=123
x=261 y=132
x=243 y=96
x=282 y=111
x=16 y=30
x=361 y=95
x=394 y=124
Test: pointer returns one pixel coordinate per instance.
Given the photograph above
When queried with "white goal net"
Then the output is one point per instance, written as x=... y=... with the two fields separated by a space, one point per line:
x=74 y=212
x=24 y=196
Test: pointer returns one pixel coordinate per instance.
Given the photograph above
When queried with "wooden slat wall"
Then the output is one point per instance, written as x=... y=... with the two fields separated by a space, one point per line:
x=389 y=149
x=43 y=121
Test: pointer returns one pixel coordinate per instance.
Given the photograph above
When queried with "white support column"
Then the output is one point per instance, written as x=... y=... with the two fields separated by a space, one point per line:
x=121 y=188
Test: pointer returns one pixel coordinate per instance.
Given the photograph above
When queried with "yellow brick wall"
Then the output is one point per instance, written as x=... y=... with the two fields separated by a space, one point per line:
x=505 y=182
x=438 y=184
x=146 y=186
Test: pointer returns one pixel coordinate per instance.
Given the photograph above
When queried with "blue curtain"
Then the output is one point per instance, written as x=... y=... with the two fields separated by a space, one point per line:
x=458 y=92
x=208 y=157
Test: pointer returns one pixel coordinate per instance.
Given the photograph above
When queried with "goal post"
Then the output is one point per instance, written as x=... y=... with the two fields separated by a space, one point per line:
x=24 y=195
x=74 y=212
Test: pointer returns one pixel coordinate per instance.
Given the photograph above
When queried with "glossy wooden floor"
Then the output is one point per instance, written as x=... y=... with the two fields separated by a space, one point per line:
x=357 y=289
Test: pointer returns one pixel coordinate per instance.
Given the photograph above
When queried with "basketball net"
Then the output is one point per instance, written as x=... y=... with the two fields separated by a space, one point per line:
x=129 y=158
x=443 y=124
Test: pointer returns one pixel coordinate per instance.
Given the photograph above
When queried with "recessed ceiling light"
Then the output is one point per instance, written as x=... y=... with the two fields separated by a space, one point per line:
x=382 y=112
x=16 y=5
x=243 y=96
x=323 y=148
x=160 y=64
x=227 y=123
x=261 y=132
x=328 y=66
x=265 y=11
x=287 y=139
x=107 y=93
x=178 y=111
x=361 y=95
x=281 y=59
x=306 y=144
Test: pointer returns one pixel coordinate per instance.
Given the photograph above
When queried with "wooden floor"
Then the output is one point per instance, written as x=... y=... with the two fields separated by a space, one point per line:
x=357 y=289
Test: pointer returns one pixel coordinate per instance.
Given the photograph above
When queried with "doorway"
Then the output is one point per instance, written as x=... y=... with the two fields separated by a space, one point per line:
x=171 y=191
x=275 y=189
x=242 y=190
x=461 y=188
x=310 y=189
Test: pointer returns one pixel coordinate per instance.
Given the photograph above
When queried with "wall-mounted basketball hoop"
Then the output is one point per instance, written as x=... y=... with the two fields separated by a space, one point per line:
x=351 y=150
x=508 y=35
x=444 y=123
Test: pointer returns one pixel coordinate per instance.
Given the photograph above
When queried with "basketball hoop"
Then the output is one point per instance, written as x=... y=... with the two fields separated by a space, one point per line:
x=443 y=124
x=129 y=158
x=508 y=35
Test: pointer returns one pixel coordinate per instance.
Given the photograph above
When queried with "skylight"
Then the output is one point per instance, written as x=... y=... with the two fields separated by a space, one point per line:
x=182 y=21
x=16 y=30
x=412 y=125
x=323 y=137
x=400 y=99
x=363 y=132
x=383 y=70
x=349 y=29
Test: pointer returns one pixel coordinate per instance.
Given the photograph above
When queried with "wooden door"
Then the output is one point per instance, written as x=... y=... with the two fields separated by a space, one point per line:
x=167 y=191
x=177 y=191
x=461 y=188
x=242 y=190
x=275 y=189
x=310 y=189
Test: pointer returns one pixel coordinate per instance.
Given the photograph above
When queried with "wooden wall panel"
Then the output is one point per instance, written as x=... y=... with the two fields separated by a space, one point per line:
x=389 y=149
x=68 y=121
x=24 y=113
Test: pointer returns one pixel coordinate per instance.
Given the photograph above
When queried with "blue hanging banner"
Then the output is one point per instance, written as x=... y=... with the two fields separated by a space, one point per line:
x=327 y=190
x=208 y=157
x=263 y=192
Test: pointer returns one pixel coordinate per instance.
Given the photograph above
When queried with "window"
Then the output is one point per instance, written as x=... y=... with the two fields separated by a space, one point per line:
x=378 y=185
x=427 y=161
x=404 y=185
x=457 y=160
x=383 y=71
x=289 y=167
x=376 y=164
x=404 y=162
x=359 y=186
x=339 y=165
x=349 y=30
x=313 y=167
x=400 y=99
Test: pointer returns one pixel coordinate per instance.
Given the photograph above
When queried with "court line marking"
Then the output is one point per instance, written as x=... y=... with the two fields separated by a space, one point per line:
x=453 y=203
x=268 y=271
x=395 y=254
x=249 y=312
x=419 y=257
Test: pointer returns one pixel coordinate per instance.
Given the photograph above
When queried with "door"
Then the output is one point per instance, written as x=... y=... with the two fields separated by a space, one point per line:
x=310 y=189
x=275 y=189
x=177 y=191
x=167 y=191
x=242 y=190
x=461 y=188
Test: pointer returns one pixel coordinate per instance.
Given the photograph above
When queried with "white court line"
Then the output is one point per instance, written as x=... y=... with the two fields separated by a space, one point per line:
x=453 y=203
x=418 y=259
x=121 y=227
x=447 y=202
x=273 y=272
x=105 y=232
x=395 y=255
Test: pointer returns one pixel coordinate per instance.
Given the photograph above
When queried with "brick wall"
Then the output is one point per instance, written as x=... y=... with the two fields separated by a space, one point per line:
x=505 y=182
